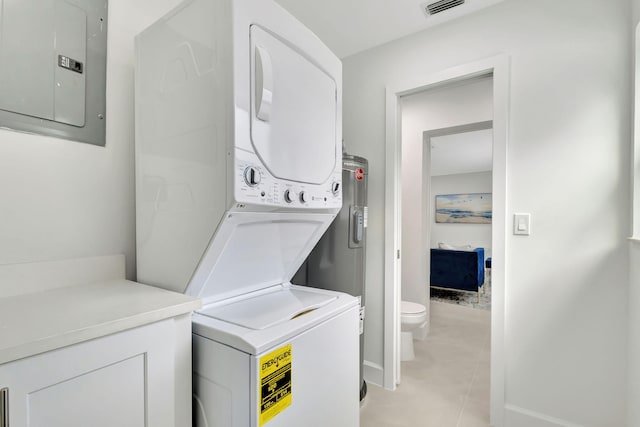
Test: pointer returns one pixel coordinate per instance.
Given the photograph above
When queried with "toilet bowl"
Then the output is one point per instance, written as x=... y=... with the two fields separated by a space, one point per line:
x=412 y=316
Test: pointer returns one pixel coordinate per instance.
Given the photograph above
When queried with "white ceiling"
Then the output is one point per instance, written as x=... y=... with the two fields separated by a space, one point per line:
x=351 y=26
x=462 y=153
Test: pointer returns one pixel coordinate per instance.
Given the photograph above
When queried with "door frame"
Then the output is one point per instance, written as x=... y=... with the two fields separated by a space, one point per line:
x=498 y=67
x=426 y=214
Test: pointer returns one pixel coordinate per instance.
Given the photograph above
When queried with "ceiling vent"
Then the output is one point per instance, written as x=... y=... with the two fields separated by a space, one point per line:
x=440 y=6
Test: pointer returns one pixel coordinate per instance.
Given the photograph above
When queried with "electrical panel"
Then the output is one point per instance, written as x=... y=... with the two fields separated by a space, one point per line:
x=53 y=68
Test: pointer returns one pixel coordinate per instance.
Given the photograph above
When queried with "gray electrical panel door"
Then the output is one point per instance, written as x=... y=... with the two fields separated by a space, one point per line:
x=53 y=67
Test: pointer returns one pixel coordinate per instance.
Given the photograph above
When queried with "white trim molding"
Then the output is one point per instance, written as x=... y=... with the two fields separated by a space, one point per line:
x=516 y=416
x=40 y=276
x=635 y=158
x=498 y=66
x=373 y=373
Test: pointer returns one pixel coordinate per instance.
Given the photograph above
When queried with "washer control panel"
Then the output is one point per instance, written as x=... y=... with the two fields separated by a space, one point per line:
x=254 y=184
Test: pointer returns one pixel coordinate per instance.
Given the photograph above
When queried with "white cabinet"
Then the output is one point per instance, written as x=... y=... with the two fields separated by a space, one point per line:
x=80 y=346
x=134 y=378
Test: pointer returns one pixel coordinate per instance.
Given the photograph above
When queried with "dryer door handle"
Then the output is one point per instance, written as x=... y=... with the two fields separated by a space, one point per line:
x=264 y=84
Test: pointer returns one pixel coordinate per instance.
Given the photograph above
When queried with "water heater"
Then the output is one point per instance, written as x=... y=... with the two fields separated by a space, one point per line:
x=338 y=260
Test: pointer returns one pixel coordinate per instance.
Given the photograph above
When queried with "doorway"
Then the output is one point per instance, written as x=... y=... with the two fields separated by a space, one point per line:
x=497 y=67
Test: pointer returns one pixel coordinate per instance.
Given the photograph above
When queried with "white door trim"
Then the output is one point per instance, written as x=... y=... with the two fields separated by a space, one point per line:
x=499 y=67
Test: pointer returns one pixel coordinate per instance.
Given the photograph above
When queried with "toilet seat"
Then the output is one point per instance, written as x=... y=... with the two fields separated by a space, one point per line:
x=412 y=308
x=412 y=314
x=414 y=318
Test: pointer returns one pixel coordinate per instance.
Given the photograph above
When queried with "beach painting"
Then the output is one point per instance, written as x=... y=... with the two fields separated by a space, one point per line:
x=464 y=208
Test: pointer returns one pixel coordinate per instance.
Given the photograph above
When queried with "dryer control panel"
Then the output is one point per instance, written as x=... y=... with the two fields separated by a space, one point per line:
x=255 y=185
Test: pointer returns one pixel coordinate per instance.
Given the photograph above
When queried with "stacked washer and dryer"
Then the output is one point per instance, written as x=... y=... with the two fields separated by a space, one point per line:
x=238 y=175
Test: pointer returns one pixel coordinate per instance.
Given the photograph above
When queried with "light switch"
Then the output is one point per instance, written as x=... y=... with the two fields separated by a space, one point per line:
x=522 y=224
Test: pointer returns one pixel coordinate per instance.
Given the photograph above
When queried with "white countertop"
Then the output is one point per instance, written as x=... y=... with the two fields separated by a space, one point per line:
x=38 y=322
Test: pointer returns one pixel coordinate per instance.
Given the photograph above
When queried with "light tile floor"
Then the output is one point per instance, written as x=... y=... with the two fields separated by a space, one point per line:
x=448 y=382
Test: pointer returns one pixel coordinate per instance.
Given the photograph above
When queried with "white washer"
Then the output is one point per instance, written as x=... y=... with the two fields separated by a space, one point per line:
x=238 y=175
x=312 y=380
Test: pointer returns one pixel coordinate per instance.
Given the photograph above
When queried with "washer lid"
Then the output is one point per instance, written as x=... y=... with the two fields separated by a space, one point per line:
x=263 y=311
x=251 y=251
x=408 y=307
x=274 y=306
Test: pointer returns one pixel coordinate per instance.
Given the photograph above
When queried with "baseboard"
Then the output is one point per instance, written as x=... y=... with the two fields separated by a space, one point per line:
x=25 y=278
x=515 y=416
x=373 y=373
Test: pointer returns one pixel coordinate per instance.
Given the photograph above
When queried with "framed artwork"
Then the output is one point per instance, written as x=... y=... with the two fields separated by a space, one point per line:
x=464 y=208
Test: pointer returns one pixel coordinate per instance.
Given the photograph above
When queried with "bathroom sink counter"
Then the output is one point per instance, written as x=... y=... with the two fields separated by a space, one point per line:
x=39 y=322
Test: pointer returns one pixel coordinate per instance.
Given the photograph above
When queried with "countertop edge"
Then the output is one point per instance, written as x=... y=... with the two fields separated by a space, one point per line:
x=70 y=337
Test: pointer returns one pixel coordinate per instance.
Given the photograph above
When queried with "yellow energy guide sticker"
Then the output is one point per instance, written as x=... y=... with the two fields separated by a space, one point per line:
x=275 y=383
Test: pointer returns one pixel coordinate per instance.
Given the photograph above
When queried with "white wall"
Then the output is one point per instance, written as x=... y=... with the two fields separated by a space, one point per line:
x=634 y=247
x=477 y=235
x=568 y=165
x=63 y=199
x=634 y=336
x=460 y=104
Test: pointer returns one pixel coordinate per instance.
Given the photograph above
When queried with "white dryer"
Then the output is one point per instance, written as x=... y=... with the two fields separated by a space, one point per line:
x=238 y=175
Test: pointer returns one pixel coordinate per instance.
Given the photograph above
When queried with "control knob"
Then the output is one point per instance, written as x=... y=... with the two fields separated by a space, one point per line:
x=335 y=188
x=289 y=196
x=304 y=198
x=252 y=176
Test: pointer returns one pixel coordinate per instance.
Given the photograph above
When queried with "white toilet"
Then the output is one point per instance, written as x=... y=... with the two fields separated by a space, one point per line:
x=413 y=316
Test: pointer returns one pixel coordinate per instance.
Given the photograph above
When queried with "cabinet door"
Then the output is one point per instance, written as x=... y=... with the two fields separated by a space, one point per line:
x=124 y=380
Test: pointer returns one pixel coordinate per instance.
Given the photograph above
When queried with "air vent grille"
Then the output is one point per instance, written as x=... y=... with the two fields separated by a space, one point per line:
x=441 y=6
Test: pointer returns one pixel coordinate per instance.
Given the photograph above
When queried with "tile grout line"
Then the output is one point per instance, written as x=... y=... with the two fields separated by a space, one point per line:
x=466 y=396
x=473 y=379
x=445 y=409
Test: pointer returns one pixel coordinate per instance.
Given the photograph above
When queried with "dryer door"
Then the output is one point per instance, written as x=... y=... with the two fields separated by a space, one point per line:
x=293 y=111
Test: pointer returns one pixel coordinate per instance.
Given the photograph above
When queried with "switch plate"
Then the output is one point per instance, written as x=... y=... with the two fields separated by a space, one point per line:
x=522 y=224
